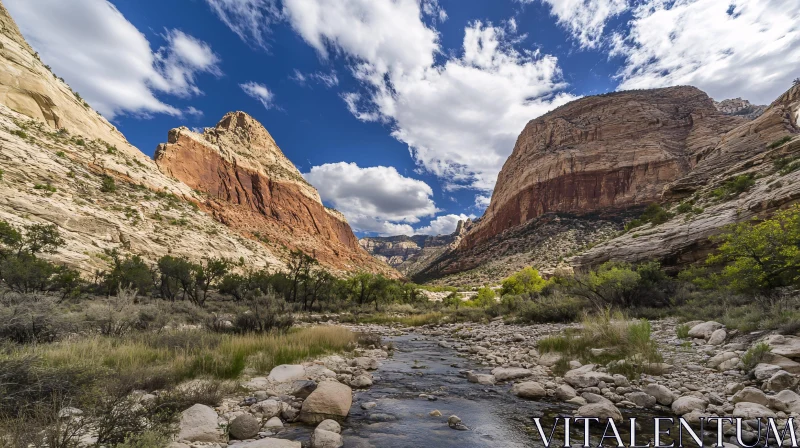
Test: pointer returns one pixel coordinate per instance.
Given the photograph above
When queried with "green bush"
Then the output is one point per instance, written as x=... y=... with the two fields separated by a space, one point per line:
x=126 y=272
x=653 y=214
x=108 y=184
x=526 y=281
x=754 y=355
x=682 y=331
x=780 y=142
x=485 y=297
x=734 y=187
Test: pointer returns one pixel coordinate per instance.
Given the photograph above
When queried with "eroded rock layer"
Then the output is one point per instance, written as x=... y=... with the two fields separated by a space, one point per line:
x=252 y=187
x=602 y=154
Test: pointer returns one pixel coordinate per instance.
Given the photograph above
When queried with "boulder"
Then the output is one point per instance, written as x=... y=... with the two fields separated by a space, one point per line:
x=751 y=395
x=565 y=392
x=364 y=363
x=330 y=425
x=329 y=400
x=763 y=371
x=286 y=373
x=704 y=330
x=549 y=359
x=752 y=410
x=783 y=362
x=244 y=427
x=481 y=378
x=529 y=389
x=585 y=376
x=715 y=361
x=641 y=399
x=781 y=380
x=687 y=404
x=662 y=394
x=732 y=388
x=322 y=438
x=790 y=399
x=361 y=381
x=303 y=388
x=600 y=410
x=199 y=424
x=717 y=337
x=267 y=408
x=786 y=346
x=274 y=424
x=510 y=373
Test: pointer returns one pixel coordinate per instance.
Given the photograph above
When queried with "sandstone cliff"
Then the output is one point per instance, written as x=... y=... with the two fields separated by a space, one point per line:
x=578 y=173
x=252 y=187
x=55 y=152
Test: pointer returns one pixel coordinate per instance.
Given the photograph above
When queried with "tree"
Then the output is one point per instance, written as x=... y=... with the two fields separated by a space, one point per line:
x=485 y=298
x=131 y=271
x=526 y=281
x=762 y=256
x=10 y=239
x=206 y=275
x=612 y=284
x=796 y=81
x=300 y=266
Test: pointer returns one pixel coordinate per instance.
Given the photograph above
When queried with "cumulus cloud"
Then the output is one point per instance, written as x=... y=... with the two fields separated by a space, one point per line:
x=585 y=19
x=443 y=225
x=75 y=37
x=748 y=48
x=460 y=115
x=259 y=92
x=482 y=202
x=374 y=199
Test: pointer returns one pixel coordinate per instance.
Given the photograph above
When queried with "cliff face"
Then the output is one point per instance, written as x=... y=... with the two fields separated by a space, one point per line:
x=56 y=151
x=578 y=173
x=252 y=187
x=599 y=155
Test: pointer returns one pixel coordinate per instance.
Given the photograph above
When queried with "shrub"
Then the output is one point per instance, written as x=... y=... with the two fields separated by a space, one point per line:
x=551 y=309
x=526 y=281
x=47 y=188
x=108 y=184
x=611 y=284
x=734 y=187
x=682 y=331
x=129 y=272
x=653 y=214
x=780 y=142
x=485 y=297
x=754 y=355
x=265 y=313
x=759 y=257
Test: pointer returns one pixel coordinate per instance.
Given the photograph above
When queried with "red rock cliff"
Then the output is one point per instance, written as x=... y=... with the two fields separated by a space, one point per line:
x=252 y=187
x=601 y=154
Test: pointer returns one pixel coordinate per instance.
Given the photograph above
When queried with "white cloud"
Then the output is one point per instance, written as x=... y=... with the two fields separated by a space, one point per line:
x=107 y=60
x=249 y=19
x=193 y=111
x=443 y=225
x=747 y=48
x=259 y=92
x=374 y=199
x=482 y=202
x=327 y=79
x=585 y=19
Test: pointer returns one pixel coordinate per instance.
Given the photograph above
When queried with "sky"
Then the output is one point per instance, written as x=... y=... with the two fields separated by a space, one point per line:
x=400 y=112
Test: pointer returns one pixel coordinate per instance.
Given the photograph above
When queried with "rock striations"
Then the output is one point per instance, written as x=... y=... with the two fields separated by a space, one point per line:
x=227 y=193
x=599 y=160
x=249 y=185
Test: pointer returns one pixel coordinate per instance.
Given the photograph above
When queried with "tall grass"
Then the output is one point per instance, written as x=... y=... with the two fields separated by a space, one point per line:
x=190 y=354
x=626 y=344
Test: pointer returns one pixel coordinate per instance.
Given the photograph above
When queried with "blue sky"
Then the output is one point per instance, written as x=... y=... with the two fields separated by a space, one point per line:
x=401 y=112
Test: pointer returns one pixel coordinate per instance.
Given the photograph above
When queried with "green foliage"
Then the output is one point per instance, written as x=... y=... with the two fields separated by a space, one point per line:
x=734 y=187
x=526 y=281
x=108 y=184
x=126 y=272
x=754 y=356
x=787 y=165
x=653 y=214
x=19 y=133
x=47 y=188
x=615 y=284
x=780 y=142
x=759 y=257
x=682 y=331
x=485 y=297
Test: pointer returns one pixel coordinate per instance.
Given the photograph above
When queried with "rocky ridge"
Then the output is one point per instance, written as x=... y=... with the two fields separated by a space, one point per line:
x=740 y=107
x=56 y=152
x=249 y=185
x=410 y=254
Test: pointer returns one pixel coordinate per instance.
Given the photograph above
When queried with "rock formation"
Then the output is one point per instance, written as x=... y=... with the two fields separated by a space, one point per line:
x=249 y=185
x=740 y=107
x=55 y=152
x=410 y=254
x=596 y=162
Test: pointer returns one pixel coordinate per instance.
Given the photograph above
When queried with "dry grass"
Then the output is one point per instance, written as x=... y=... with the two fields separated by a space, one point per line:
x=190 y=354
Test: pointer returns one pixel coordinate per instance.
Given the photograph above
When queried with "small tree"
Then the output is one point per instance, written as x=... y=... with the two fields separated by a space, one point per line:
x=796 y=82
x=526 y=281
x=108 y=184
x=485 y=297
x=612 y=284
x=759 y=257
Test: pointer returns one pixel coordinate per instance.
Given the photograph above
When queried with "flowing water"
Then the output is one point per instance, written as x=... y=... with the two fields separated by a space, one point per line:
x=401 y=418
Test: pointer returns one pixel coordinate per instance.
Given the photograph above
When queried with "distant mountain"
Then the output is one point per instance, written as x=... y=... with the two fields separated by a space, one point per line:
x=409 y=254
x=740 y=107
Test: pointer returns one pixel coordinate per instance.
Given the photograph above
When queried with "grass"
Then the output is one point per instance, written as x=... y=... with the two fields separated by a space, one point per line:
x=682 y=331
x=627 y=345
x=754 y=355
x=188 y=355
